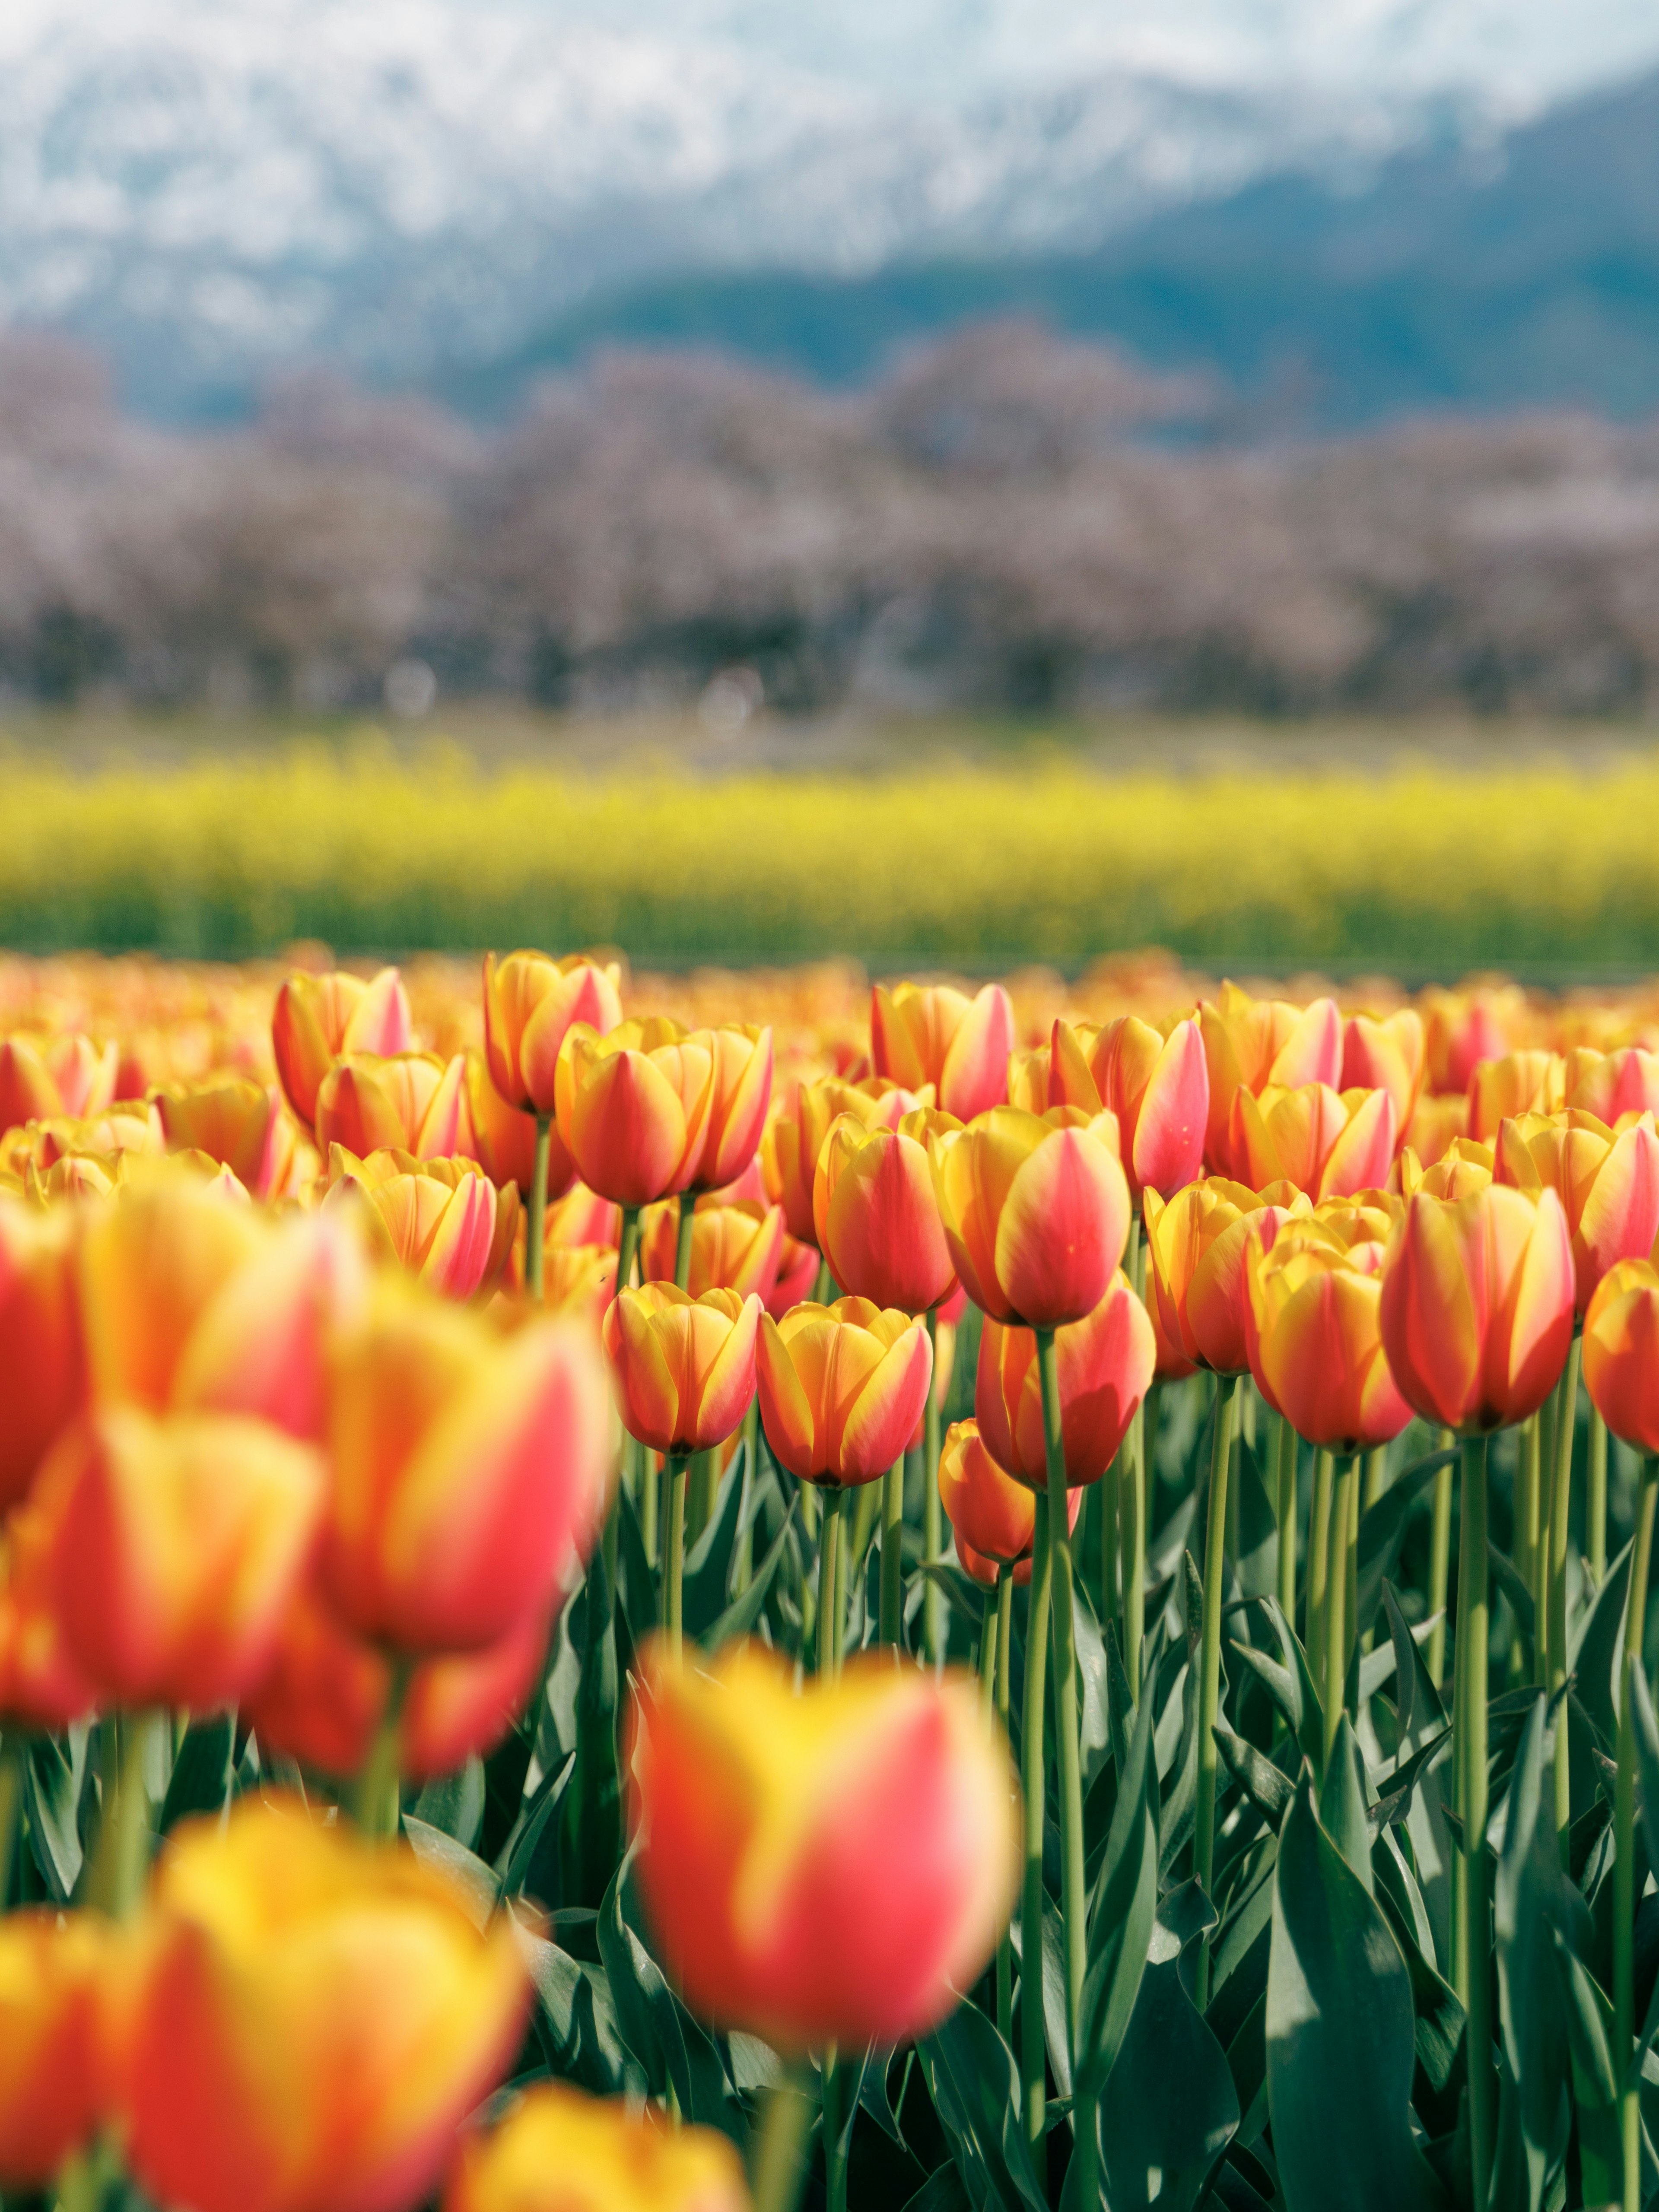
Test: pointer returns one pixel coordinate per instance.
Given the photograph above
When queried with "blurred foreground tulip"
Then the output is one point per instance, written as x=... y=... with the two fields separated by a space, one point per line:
x=44 y=1076
x=1159 y=1088
x=929 y=1033
x=559 y=2151
x=634 y=1108
x=1105 y=1364
x=767 y=1822
x=54 y=2074
x=1313 y=1332
x=1036 y=1210
x=1607 y=1184
x=237 y=1121
x=1477 y=1305
x=1327 y=1143
x=1251 y=1043
x=313 y=2019
x=683 y=1367
x=42 y=1363
x=1621 y=1352
x=415 y=1103
x=442 y=1219
x=1195 y=1271
x=1519 y=1083
x=793 y=1138
x=320 y=1019
x=876 y=1211
x=530 y=1003
x=842 y=1388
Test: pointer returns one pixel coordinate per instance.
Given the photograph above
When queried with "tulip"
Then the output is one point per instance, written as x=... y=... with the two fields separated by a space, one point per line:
x=173 y=1547
x=415 y=1103
x=1159 y=1088
x=841 y=1387
x=313 y=2019
x=1436 y=1124
x=505 y=1138
x=797 y=1277
x=1463 y=1167
x=1463 y=1028
x=442 y=1219
x=683 y=1367
x=559 y=2151
x=877 y=1215
x=42 y=1361
x=1036 y=1210
x=634 y=1108
x=1521 y=1082
x=733 y=1248
x=1607 y=1184
x=54 y=2085
x=1385 y=1055
x=992 y=1513
x=741 y=1093
x=1251 y=1043
x=579 y=1279
x=929 y=1033
x=320 y=1019
x=236 y=1122
x=149 y=1266
x=1195 y=1254
x=1621 y=1351
x=792 y=1141
x=1105 y=1363
x=1029 y=1078
x=582 y=1217
x=1612 y=1084
x=765 y=1823
x=470 y=1471
x=1327 y=1143
x=1313 y=1333
x=42 y=1078
x=529 y=1004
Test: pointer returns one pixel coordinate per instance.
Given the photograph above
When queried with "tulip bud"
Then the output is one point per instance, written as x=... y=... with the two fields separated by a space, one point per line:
x=1195 y=1249
x=992 y=1515
x=841 y=1387
x=1313 y=1331
x=54 y=2085
x=741 y=1093
x=1327 y=1143
x=1607 y=1184
x=1036 y=1210
x=150 y=1264
x=1105 y=1363
x=43 y=1380
x=442 y=1219
x=1521 y=1082
x=929 y=1033
x=766 y=1823
x=415 y=1103
x=1477 y=1305
x=313 y=2019
x=41 y=1078
x=634 y=1107
x=1621 y=1351
x=683 y=1367
x=236 y=1122
x=733 y=1248
x=559 y=2151
x=530 y=1003
x=1610 y=1084
x=1251 y=1043
x=1385 y=1055
x=1465 y=1028
x=320 y=1019
x=1159 y=1088
x=793 y=1138
x=876 y=1211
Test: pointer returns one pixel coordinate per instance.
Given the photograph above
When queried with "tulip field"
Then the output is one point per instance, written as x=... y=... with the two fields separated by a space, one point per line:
x=732 y=1592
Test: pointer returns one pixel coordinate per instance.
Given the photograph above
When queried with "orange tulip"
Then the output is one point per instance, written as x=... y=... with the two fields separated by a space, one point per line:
x=741 y=1093
x=929 y=1033
x=1436 y=1124
x=1036 y=1210
x=1464 y=1028
x=1462 y=1167
x=1608 y=1184
x=634 y=1107
x=41 y=1078
x=1521 y=1082
x=582 y=1217
x=993 y=1516
x=793 y=1138
x=1028 y=1077
x=1105 y=1364
x=416 y=1102
x=1314 y=1336
x=797 y=1277
x=54 y=2085
x=1158 y=1087
x=578 y=1279
x=505 y=1138
x=877 y=1214
x=1621 y=1351
x=313 y=2019
x=1478 y=1305
x=1195 y=1253
x=559 y=2151
x=1327 y=1143
x=1250 y=1043
x=841 y=1387
x=530 y=1003
x=1388 y=1055
x=1612 y=1084
x=471 y=1470
x=768 y=1821
x=42 y=1362
x=733 y=1248
x=236 y=1122
x=442 y=1219
x=683 y=1367
x=320 y=1019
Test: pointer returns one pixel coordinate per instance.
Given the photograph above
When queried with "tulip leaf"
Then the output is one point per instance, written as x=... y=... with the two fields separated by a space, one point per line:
x=1595 y=1650
x=1438 y=2015
x=1169 y=2108
x=1342 y=1810
x=52 y=1797
x=1647 y=1758
x=1269 y=1787
x=1179 y=1809
x=1122 y=1913
x=454 y=1802
x=476 y=1882
x=1339 y=2038
x=1594 y=2086
x=975 y=2085
x=637 y=1580
x=740 y=1616
x=1418 y=1711
x=522 y=1853
x=202 y=1773
x=575 y=2022
x=1056 y=2037
x=708 y=1562
x=1258 y=1526
x=942 y=2191
x=1382 y=1531
x=669 y=2047
x=1094 y=1717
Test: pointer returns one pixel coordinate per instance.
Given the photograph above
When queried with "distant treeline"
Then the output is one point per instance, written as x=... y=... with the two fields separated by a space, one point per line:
x=1009 y=521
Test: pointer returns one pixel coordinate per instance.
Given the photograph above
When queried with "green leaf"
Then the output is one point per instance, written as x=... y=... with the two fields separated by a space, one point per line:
x=1258 y=1525
x=1438 y=2015
x=1418 y=1711
x=455 y=1802
x=1529 y=1906
x=1122 y=1913
x=476 y=1882
x=1169 y=2108
x=1342 y=1804
x=1595 y=2089
x=740 y=1616
x=1267 y=1786
x=200 y=1778
x=1383 y=1530
x=669 y=2047
x=709 y=1563
x=522 y=1853
x=575 y=2020
x=1647 y=1758
x=975 y=2085
x=1595 y=1646
x=942 y=2191
x=52 y=1797
x=1339 y=2038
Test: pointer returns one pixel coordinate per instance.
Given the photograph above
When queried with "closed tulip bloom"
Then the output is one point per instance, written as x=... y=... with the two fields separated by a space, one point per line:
x=1385 y=1054
x=769 y=1823
x=1436 y=1124
x=1478 y=1305
x=559 y=2151
x=1462 y=1167
x=1105 y=1364
x=236 y=1122
x=415 y=1103
x=842 y=1388
x=530 y=1003
x=634 y=1108
x=1250 y=1043
x=1313 y=1335
x=793 y=1137
x=43 y=1379
x=1612 y=1084
x=54 y=2075
x=44 y=1076
x=41 y=1683
x=313 y=2019
x=582 y=1217
x=470 y=1471
x=1621 y=1351
x=740 y=1095
x=1158 y=1087
x=320 y=1019
x=876 y=1213
x=733 y=1248
x=1325 y=1142
x=993 y=1516
x=683 y=1367
x=442 y=1219
x=1519 y=1083
x=149 y=1265
x=1462 y=1029
x=1028 y=1078
x=929 y=1033
x=1195 y=1256
x=577 y=1280
x=1608 y=1184
x=505 y=1139
x=796 y=1280
x=1036 y=1210
x=174 y=1546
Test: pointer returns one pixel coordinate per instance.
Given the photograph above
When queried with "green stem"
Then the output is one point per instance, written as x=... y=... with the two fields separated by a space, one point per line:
x=1284 y=1488
x=933 y=1527
x=650 y=1489
x=829 y=1599
x=1336 y=1598
x=123 y=1850
x=1132 y=1496
x=683 y=1229
x=1005 y=1639
x=1440 y=1561
x=630 y=1248
x=377 y=1808
x=890 y=1616
x=1085 y=2148
x=823 y=1283
x=1376 y=1477
x=744 y=1573
x=1032 y=2058
x=1597 y=1530
x=1471 y=1722
x=678 y=1473
x=987 y=1654
x=835 y=2157
x=1560 y=1505
x=1624 y=1867
x=780 y=2169
x=1074 y=1899
x=1319 y=1553
x=1209 y=1690
x=535 y=1227
x=1110 y=1537
x=12 y=1755
x=1549 y=1418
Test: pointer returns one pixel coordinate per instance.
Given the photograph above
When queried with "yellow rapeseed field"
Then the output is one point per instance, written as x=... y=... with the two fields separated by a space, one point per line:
x=1540 y=867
